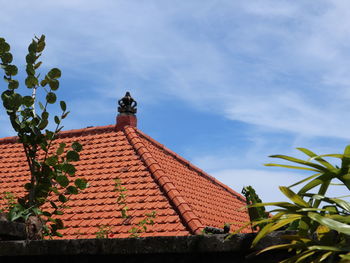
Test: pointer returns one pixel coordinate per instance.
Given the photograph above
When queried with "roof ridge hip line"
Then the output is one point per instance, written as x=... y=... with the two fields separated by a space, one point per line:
x=185 y=211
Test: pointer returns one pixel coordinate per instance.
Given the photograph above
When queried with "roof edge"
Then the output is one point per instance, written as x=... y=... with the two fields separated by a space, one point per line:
x=192 y=166
x=185 y=211
x=64 y=134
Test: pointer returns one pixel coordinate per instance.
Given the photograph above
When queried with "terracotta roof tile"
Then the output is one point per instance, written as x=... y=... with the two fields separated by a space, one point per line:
x=184 y=197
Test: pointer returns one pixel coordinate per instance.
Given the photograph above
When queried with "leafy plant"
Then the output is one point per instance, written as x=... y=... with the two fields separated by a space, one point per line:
x=50 y=165
x=255 y=213
x=321 y=223
x=104 y=231
x=141 y=226
x=121 y=200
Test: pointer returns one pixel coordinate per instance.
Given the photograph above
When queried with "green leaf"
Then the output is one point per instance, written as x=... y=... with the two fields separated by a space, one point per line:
x=45 y=115
x=68 y=168
x=28 y=101
x=317 y=158
x=37 y=65
x=317 y=181
x=43 y=83
x=72 y=156
x=62 y=198
x=65 y=115
x=6 y=58
x=43 y=124
x=54 y=73
x=54 y=84
x=291 y=166
x=30 y=58
x=57 y=120
x=296 y=160
x=330 y=223
x=63 y=106
x=293 y=196
x=72 y=190
x=11 y=70
x=81 y=183
x=31 y=81
x=53 y=205
x=77 y=146
x=62 y=180
x=13 y=84
x=51 y=97
x=60 y=149
x=4 y=47
x=41 y=106
x=52 y=160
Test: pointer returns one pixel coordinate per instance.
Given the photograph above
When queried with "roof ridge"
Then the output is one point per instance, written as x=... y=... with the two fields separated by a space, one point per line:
x=67 y=133
x=192 y=166
x=186 y=213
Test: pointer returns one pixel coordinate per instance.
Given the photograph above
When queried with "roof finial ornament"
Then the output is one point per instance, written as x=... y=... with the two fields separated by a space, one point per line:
x=127 y=105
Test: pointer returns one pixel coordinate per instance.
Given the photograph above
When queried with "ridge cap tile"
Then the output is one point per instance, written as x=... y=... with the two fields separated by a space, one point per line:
x=195 y=224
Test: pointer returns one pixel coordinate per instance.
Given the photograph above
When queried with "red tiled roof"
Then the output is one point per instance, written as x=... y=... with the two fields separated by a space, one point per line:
x=185 y=198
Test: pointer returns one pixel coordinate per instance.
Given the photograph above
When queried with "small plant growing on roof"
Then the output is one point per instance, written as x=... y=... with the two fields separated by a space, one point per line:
x=50 y=165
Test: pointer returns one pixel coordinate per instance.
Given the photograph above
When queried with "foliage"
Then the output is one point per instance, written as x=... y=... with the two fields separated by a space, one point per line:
x=142 y=225
x=255 y=213
x=135 y=231
x=321 y=223
x=50 y=168
x=104 y=231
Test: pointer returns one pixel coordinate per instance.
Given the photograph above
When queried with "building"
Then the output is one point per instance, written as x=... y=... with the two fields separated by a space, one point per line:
x=184 y=198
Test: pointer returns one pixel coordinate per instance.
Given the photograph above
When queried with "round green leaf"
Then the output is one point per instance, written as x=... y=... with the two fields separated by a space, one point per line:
x=4 y=47
x=51 y=97
x=6 y=58
x=68 y=168
x=13 y=84
x=72 y=190
x=72 y=156
x=54 y=73
x=60 y=149
x=32 y=47
x=43 y=124
x=77 y=146
x=45 y=115
x=11 y=70
x=81 y=183
x=54 y=84
x=30 y=58
x=52 y=160
x=28 y=101
x=31 y=81
x=62 y=198
x=62 y=180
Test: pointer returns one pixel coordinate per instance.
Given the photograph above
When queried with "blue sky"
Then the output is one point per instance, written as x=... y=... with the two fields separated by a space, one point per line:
x=223 y=83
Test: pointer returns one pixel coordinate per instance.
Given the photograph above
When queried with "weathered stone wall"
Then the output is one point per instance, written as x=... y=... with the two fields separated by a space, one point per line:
x=206 y=248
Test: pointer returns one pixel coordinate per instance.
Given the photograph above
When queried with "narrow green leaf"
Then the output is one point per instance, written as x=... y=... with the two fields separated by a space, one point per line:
x=296 y=160
x=317 y=158
x=293 y=196
x=63 y=105
x=317 y=181
x=330 y=223
x=291 y=166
